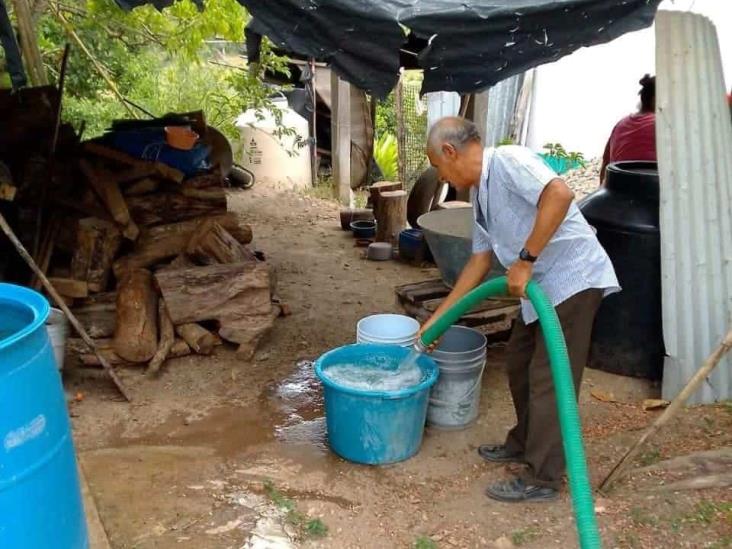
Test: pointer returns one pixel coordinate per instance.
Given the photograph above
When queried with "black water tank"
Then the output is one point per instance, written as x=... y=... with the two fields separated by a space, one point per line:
x=627 y=337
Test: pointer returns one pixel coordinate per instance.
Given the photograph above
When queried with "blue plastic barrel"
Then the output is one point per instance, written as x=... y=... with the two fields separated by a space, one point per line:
x=375 y=427
x=40 y=499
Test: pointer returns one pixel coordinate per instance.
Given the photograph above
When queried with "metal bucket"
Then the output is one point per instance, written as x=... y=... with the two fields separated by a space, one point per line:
x=57 y=326
x=449 y=234
x=455 y=398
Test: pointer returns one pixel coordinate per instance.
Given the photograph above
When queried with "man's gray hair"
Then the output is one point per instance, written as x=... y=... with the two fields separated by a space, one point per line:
x=453 y=130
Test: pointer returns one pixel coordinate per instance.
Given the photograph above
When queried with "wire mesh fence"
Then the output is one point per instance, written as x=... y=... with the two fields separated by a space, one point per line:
x=411 y=118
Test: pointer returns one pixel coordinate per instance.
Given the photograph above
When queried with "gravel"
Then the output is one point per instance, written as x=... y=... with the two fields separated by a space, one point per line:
x=584 y=181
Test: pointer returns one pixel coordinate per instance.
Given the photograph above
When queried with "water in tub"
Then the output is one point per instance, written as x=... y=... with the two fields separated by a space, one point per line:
x=382 y=374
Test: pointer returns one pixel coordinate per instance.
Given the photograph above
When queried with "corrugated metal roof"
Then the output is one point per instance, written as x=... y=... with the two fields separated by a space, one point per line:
x=694 y=140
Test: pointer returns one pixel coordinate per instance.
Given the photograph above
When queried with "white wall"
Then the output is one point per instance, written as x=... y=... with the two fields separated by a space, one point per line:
x=579 y=98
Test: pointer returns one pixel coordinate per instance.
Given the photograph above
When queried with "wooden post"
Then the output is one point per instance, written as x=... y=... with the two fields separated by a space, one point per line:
x=341 y=137
x=392 y=216
x=29 y=43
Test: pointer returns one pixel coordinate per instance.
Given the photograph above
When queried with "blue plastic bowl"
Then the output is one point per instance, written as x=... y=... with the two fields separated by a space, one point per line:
x=363 y=229
x=375 y=427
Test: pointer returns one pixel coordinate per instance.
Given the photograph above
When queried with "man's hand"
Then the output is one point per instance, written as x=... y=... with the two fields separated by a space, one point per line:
x=519 y=276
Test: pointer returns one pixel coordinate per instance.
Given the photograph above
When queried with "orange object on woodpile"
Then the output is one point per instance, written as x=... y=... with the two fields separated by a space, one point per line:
x=180 y=137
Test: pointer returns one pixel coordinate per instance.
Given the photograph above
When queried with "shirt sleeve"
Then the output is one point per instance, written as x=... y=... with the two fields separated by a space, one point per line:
x=526 y=173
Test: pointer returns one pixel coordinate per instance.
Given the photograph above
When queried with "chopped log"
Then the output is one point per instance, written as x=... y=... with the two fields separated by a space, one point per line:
x=136 y=331
x=211 y=244
x=181 y=261
x=379 y=187
x=100 y=317
x=210 y=193
x=163 y=170
x=166 y=241
x=198 y=338
x=108 y=190
x=236 y=295
x=142 y=186
x=7 y=191
x=203 y=181
x=138 y=171
x=97 y=242
x=167 y=338
x=178 y=349
x=391 y=217
x=69 y=287
x=160 y=208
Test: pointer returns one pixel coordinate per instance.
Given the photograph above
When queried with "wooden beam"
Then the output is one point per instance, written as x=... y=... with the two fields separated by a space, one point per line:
x=341 y=137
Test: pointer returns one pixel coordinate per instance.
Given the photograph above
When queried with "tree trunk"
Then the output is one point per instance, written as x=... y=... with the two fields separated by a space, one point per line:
x=197 y=337
x=236 y=295
x=160 y=208
x=391 y=217
x=97 y=242
x=136 y=332
x=157 y=244
x=379 y=187
x=211 y=244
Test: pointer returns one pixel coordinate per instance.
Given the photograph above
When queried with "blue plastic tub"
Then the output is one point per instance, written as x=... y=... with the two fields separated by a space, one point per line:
x=40 y=499
x=411 y=244
x=372 y=427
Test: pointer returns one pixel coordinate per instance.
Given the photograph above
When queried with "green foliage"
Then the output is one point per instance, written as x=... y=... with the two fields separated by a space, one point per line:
x=307 y=527
x=506 y=141
x=525 y=535
x=558 y=151
x=423 y=542
x=386 y=121
x=386 y=156
x=160 y=60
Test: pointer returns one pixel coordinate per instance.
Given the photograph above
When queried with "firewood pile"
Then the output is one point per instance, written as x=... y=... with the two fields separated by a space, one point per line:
x=152 y=263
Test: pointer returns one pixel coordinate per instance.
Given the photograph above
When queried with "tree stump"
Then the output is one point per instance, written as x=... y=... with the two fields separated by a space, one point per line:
x=391 y=216
x=136 y=331
x=197 y=337
x=97 y=242
x=380 y=187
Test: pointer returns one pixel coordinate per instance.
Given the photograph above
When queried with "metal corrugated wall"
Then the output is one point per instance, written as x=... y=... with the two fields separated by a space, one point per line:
x=694 y=140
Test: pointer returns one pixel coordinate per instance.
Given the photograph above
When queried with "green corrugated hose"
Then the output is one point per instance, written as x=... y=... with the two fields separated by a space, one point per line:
x=569 y=421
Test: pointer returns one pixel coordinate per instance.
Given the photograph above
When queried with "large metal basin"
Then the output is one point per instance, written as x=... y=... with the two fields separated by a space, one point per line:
x=449 y=234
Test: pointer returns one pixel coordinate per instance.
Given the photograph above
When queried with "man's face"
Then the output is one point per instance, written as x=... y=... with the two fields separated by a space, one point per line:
x=457 y=167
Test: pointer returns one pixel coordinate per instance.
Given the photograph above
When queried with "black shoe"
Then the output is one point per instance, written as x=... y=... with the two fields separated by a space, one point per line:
x=517 y=491
x=498 y=453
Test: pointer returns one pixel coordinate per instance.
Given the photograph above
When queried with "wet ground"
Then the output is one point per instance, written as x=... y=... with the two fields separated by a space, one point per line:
x=222 y=453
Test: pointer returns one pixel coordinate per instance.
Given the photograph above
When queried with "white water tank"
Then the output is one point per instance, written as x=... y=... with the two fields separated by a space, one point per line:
x=283 y=160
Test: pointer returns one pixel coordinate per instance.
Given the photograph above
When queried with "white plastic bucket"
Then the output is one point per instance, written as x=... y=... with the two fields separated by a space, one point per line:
x=57 y=327
x=387 y=329
x=455 y=398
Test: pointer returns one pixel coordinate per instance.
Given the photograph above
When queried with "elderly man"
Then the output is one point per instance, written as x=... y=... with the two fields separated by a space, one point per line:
x=525 y=215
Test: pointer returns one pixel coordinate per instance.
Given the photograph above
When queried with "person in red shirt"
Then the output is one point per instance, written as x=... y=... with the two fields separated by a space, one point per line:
x=634 y=137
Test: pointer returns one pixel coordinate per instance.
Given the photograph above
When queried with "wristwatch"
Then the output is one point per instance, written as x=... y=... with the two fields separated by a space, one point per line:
x=524 y=255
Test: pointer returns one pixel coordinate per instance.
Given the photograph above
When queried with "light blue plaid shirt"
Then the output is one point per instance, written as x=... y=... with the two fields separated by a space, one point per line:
x=505 y=206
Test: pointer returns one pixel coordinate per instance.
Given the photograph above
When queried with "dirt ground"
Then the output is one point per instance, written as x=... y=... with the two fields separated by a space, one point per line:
x=220 y=452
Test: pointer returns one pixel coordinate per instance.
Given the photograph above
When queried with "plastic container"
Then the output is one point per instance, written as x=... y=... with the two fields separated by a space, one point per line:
x=379 y=251
x=40 y=496
x=388 y=329
x=276 y=159
x=57 y=326
x=627 y=336
x=411 y=242
x=180 y=137
x=375 y=427
x=455 y=398
x=363 y=229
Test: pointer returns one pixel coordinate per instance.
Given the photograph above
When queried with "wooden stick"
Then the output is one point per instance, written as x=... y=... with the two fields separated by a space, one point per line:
x=691 y=386
x=97 y=65
x=62 y=305
x=167 y=338
x=29 y=43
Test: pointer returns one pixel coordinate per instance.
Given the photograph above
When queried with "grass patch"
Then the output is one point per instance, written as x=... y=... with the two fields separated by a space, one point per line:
x=650 y=457
x=628 y=540
x=306 y=526
x=525 y=535
x=423 y=542
x=640 y=517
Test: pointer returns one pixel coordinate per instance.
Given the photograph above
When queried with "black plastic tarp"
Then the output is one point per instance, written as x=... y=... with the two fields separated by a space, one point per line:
x=468 y=45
